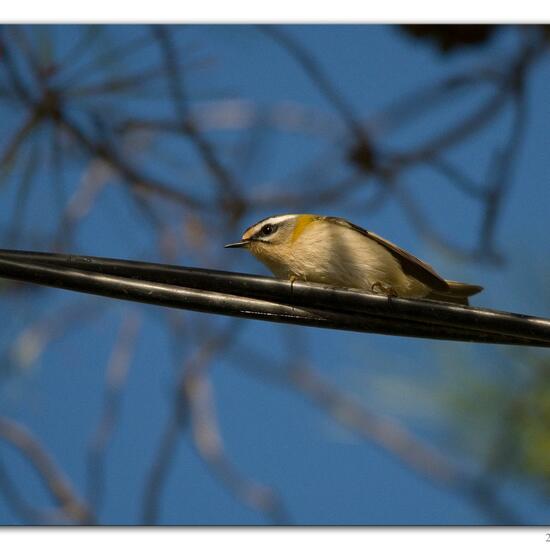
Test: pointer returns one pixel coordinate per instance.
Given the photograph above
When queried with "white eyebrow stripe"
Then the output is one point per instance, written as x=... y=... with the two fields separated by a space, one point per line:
x=273 y=219
x=277 y=219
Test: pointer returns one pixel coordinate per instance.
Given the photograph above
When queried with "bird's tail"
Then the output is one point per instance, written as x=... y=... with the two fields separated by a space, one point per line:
x=458 y=293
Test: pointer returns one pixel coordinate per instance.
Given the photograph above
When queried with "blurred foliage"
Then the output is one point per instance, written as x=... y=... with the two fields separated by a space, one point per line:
x=523 y=446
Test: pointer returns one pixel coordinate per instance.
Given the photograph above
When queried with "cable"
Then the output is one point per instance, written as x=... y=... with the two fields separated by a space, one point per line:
x=265 y=298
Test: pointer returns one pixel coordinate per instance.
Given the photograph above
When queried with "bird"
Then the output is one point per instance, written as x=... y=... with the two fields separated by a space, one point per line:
x=333 y=251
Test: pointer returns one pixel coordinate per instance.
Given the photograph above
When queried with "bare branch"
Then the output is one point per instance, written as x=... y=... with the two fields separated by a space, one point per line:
x=141 y=183
x=229 y=190
x=24 y=511
x=164 y=459
x=31 y=342
x=209 y=444
x=384 y=432
x=116 y=374
x=192 y=403
x=500 y=177
x=319 y=78
x=70 y=504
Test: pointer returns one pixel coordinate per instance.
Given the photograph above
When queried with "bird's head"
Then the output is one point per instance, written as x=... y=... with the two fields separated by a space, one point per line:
x=272 y=239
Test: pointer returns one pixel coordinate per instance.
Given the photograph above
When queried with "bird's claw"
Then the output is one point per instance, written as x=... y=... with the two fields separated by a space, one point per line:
x=381 y=288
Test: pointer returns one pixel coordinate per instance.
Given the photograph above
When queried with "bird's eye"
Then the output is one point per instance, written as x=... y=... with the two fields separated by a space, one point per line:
x=268 y=229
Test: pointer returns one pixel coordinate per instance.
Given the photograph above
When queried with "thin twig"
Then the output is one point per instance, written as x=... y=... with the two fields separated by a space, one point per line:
x=25 y=512
x=209 y=445
x=312 y=68
x=501 y=176
x=191 y=403
x=116 y=374
x=384 y=432
x=130 y=174
x=229 y=190
x=69 y=502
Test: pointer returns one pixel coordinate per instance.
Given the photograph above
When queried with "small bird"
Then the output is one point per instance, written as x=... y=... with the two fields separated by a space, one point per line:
x=334 y=251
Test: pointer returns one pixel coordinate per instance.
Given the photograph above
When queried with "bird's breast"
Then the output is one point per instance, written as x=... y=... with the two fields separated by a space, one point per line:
x=340 y=256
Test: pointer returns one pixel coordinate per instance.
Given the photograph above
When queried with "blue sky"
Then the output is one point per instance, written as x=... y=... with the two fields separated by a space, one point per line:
x=324 y=473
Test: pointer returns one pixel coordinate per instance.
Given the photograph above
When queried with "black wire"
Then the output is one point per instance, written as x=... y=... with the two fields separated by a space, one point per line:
x=307 y=295
x=274 y=300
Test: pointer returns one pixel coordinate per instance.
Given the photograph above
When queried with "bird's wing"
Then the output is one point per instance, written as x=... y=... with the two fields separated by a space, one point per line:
x=410 y=264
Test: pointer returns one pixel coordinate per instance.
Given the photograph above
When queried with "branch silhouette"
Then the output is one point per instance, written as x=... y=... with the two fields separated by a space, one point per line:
x=70 y=504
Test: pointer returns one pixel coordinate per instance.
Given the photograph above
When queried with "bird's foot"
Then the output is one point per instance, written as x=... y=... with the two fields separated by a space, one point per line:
x=292 y=278
x=381 y=288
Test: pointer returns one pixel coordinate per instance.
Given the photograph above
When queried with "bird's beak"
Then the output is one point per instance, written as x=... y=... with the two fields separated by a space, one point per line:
x=240 y=244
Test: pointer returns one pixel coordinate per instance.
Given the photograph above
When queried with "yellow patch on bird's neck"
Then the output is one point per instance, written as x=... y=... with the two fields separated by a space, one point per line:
x=301 y=223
